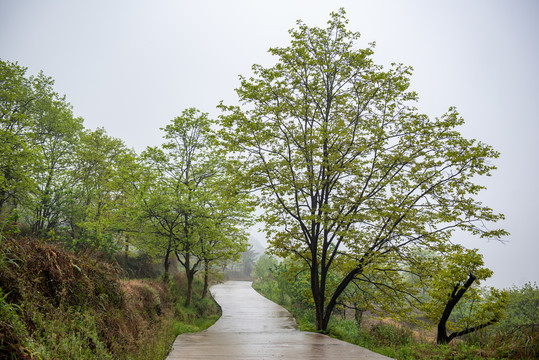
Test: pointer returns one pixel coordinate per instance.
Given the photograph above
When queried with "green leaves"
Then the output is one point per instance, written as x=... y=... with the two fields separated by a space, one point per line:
x=100 y=193
x=190 y=196
x=454 y=298
x=19 y=106
x=345 y=168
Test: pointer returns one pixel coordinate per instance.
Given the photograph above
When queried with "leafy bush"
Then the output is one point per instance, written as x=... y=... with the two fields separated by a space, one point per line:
x=523 y=307
x=264 y=267
x=516 y=335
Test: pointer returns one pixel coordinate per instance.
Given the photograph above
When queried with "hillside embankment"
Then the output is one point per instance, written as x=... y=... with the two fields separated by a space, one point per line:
x=55 y=304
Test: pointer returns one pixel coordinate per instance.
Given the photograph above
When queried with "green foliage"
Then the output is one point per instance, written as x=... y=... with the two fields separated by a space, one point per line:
x=54 y=304
x=99 y=196
x=353 y=180
x=18 y=96
x=455 y=298
x=264 y=267
x=56 y=134
x=401 y=342
x=522 y=308
x=67 y=183
x=517 y=334
x=190 y=199
x=68 y=335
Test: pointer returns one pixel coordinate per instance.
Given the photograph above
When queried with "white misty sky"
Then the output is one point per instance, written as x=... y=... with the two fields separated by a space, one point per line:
x=132 y=66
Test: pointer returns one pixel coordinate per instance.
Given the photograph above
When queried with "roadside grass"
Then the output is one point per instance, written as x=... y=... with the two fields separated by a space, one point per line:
x=58 y=305
x=202 y=314
x=402 y=343
x=179 y=319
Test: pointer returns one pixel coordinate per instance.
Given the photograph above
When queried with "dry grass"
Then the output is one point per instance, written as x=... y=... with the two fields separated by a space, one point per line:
x=55 y=304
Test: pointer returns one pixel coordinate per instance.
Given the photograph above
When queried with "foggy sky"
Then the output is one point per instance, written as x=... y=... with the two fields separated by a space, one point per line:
x=132 y=66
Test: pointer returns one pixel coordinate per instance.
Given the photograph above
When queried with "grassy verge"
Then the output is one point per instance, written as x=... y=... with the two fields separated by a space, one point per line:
x=57 y=305
x=402 y=343
x=200 y=315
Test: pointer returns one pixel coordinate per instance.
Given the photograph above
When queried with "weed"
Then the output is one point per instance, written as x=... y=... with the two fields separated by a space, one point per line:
x=58 y=305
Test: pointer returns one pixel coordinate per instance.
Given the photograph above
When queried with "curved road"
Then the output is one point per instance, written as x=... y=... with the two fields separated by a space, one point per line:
x=253 y=328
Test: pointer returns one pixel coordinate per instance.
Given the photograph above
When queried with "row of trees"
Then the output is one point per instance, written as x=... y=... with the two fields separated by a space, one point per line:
x=353 y=180
x=60 y=180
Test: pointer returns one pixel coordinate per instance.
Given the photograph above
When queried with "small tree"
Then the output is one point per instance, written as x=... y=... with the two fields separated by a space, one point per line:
x=522 y=307
x=248 y=260
x=223 y=238
x=456 y=302
x=56 y=135
x=92 y=209
x=159 y=207
x=264 y=266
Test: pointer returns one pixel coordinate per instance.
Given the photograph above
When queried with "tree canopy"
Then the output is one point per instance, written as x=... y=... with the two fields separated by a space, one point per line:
x=87 y=190
x=351 y=177
x=190 y=199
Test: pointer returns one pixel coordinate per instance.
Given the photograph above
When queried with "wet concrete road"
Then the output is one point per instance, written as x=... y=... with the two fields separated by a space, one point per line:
x=254 y=328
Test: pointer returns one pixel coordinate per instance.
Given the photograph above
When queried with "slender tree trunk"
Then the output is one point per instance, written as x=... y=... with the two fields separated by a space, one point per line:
x=206 y=276
x=456 y=295
x=318 y=295
x=167 y=257
x=190 y=277
x=2 y=201
x=358 y=315
x=187 y=259
x=190 y=274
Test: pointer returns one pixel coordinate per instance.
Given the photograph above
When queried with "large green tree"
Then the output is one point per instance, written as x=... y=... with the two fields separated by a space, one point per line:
x=350 y=175
x=18 y=95
x=95 y=209
x=187 y=199
x=38 y=137
x=56 y=134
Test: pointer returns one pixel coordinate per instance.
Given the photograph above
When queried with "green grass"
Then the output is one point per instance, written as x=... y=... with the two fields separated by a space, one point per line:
x=399 y=342
x=69 y=335
x=199 y=316
x=58 y=305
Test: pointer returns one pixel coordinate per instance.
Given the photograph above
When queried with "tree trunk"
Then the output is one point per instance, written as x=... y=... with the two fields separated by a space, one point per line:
x=318 y=295
x=167 y=258
x=333 y=301
x=190 y=277
x=206 y=276
x=358 y=315
x=454 y=298
x=166 y=265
